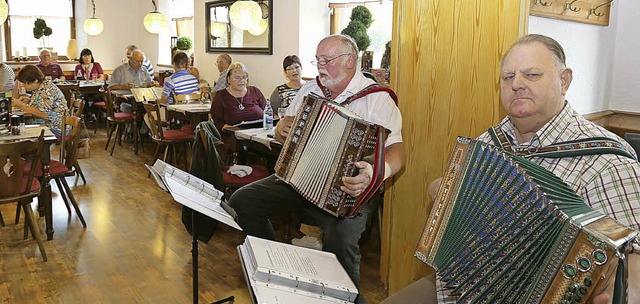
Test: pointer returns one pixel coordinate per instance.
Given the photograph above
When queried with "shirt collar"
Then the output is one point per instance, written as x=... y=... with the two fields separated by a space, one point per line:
x=547 y=134
x=358 y=81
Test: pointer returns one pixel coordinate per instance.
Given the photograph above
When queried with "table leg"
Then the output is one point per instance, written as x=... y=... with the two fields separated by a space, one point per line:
x=44 y=199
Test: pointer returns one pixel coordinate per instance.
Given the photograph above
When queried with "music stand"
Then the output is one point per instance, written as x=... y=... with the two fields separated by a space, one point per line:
x=145 y=95
x=199 y=196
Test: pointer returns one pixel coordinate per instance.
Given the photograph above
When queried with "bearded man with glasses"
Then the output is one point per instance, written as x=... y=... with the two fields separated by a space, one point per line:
x=338 y=79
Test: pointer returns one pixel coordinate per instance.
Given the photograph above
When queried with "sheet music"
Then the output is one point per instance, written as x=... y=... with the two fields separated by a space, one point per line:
x=193 y=192
x=145 y=94
x=265 y=293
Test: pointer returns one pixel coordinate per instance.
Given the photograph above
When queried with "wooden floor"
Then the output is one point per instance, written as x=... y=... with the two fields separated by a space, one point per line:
x=134 y=249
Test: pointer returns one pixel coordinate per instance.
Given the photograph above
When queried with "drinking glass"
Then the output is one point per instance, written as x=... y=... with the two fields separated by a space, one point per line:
x=281 y=112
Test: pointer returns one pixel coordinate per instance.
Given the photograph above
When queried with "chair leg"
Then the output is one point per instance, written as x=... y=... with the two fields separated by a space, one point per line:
x=109 y=134
x=64 y=196
x=17 y=214
x=73 y=202
x=1 y=220
x=35 y=229
x=79 y=174
x=118 y=131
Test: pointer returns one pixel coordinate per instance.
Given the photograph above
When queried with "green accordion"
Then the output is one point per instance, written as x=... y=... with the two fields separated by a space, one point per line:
x=505 y=230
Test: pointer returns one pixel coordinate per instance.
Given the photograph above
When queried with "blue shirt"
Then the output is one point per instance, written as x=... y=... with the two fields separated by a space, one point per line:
x=180 y=82
x=125 y=74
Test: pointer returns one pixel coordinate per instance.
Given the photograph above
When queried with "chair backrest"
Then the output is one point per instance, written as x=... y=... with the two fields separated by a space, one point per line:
x=108 y=102
x=634 y=140
x=76 y=106
x=154 y=119
x=12 y=168
x=183 y=98
x=71 y=123
x=67 y=89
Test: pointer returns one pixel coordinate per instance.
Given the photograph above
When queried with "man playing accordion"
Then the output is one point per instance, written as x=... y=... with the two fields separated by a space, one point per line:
x=339 y=79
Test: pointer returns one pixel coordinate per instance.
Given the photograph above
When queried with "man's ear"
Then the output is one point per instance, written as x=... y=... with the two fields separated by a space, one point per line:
x=351 y=61
x=566 y=76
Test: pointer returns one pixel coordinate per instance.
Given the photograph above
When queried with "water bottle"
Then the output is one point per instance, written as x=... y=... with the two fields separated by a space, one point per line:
x=267 y=121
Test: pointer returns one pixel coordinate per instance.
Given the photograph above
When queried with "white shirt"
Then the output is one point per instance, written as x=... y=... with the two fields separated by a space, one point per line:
x=377 y=108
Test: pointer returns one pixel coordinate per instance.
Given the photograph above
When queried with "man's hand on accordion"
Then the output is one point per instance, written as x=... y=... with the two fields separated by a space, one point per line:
x=354 y=186
x=283 y=127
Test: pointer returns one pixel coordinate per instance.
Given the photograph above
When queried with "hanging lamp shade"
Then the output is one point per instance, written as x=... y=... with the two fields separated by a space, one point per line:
x=93 y=26
x=154 y=22
x=218 y=29
x=4 y=11
x=245 y=15
x=260 y=28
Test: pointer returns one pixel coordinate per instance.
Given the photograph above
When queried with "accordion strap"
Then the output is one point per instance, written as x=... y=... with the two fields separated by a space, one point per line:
x=580 y=147
x=372 y=88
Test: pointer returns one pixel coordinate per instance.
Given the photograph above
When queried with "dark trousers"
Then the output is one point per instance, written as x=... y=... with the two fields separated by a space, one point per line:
x=270 y=197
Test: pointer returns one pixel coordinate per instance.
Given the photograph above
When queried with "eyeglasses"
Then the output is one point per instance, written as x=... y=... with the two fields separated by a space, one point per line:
x=323 y=62
x=240 y=78
x=295 y=67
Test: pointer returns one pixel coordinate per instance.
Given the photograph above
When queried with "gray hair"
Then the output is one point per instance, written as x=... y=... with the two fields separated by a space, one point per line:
x=348 y=44
x=552 y=45
x=235 y=66
x=131 y=47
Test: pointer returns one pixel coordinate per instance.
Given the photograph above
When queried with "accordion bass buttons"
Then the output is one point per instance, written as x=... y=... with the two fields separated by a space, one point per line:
x=599 y=257
x=584 y=264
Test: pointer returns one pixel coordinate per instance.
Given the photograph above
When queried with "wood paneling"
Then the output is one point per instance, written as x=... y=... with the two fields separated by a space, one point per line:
x=445 y=64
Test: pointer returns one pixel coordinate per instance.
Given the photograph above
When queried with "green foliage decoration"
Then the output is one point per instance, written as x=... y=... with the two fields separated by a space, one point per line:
x=361 y=19
x=184 y=43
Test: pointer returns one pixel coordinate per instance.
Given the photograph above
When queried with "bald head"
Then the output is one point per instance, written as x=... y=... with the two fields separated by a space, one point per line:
x=137 y=57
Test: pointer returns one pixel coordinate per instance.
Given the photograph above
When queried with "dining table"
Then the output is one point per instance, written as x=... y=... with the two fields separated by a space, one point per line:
x=137 y=108
x=193 y=112
x=32 y=132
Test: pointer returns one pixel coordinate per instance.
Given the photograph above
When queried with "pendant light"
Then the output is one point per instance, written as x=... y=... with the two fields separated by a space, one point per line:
x=260 y=28
x=4 y=11
x=245 y=15
x=92 y=26
x=154 y=21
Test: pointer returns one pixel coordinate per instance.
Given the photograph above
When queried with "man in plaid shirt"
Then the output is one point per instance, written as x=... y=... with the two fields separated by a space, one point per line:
x=533 y=84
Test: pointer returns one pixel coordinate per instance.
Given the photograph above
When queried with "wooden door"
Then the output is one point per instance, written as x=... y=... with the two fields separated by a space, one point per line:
x=445 y=68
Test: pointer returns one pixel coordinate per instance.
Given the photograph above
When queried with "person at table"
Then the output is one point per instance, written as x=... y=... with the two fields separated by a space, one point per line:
x=48 y=67
x=7 y=78
x=46 y=103
x=339 y=78
x=130 y=75
x=180 y=82
x=87 y=68
x=239 y=101
x=146 y=63
x=284 y=94
x=223 y=62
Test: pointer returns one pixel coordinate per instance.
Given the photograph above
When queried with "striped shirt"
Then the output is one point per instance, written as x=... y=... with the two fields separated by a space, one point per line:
x=180 y=82
x=148 y=66
x=608 y=183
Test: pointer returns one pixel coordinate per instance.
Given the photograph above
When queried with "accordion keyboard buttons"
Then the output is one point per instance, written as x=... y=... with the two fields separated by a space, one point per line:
x=599 y=256
x=569 y=271
x=584 y=264
x=588 y=281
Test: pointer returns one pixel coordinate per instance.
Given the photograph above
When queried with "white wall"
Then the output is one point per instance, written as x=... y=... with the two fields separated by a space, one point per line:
x=626 y=62
x=604 y=59
x=314 y=19
x=589 y=50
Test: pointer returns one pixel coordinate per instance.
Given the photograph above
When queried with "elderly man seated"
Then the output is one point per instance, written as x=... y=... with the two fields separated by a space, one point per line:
x=48 y=67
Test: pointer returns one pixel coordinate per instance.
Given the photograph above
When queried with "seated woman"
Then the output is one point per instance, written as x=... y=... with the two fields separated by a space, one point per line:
x=284 y=94
x=180 y=82
x=238 y=102
x=46 y=102
x=88 y=69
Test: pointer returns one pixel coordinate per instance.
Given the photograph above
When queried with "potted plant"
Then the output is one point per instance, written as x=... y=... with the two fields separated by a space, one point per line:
x=40 y=30
x=361 y=19
x=184 y=43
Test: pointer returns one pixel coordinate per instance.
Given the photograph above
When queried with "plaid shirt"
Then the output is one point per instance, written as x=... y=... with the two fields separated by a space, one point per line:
x=608 y=183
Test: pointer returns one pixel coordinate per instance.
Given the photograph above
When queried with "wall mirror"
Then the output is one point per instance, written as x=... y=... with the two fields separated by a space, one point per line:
x=237 y=29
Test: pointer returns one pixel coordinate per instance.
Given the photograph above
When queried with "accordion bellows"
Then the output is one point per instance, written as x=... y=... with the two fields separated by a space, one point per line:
x=325 y=143
x=505 y=230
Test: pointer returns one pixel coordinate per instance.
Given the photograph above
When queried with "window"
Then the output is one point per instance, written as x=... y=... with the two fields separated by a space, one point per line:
x=379 y=31
x=182 y=16
x=22 y=13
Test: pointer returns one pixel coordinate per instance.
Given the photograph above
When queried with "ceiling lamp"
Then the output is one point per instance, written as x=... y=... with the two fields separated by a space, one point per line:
x=92 y=26
x=218 y=29
x=260 y=28
x=245 y=15
x=154 y=21
x=4 y=11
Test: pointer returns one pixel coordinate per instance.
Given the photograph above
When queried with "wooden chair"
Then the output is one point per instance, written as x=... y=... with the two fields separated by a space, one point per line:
x=76 y=106
x=18 y=182
x=60 y=170
x=186 y=98
x=116 y=121
x=169 y=139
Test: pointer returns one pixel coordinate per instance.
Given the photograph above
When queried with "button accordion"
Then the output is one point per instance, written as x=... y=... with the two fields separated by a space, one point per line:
x=324 y=143
x=505 y=230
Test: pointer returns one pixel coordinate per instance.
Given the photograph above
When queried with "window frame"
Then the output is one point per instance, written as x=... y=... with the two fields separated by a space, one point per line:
x=7 y=34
